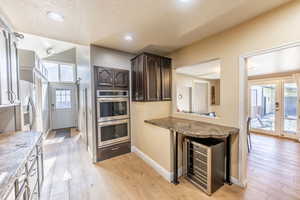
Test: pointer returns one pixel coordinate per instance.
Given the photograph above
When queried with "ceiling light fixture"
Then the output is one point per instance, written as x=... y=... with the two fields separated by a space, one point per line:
x=184 y=1
x=128 y=38
x=55 y=16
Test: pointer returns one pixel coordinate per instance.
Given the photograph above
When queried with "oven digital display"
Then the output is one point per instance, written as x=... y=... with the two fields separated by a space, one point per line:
x=103 y=93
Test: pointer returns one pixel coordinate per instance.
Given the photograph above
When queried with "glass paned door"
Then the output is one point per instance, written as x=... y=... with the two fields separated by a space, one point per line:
x=273 y=107
x=290 y=100
x=263 y=107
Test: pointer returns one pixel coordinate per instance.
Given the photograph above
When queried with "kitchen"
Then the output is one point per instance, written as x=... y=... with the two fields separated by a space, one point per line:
x=149 y=121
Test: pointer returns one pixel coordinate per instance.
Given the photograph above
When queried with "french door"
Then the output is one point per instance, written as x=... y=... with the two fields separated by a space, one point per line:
x=273 y=107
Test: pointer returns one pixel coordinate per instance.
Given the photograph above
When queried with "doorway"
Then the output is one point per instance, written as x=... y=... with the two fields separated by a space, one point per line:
x=273 y=106
x=63 y=106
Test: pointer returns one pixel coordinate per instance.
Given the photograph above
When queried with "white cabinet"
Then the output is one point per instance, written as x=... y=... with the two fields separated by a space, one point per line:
x=4 y=71
x=9 y=70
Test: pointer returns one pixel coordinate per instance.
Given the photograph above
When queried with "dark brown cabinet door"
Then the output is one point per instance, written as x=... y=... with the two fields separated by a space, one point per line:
x=153 y=78
x=104 y=77
x=121 y=79
x=166 y=79
x=137 y=73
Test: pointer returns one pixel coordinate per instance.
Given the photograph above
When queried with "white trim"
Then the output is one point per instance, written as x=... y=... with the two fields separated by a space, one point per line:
x=165 y=173
x=158 y=168
x=237 y=182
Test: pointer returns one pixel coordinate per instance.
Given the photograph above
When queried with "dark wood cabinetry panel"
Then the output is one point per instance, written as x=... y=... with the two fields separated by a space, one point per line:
x=113 y=151
x=151 y=78
x=138 y=93
x=166 y=80
x=121 y=79
x=104 y=77
x=111 y=79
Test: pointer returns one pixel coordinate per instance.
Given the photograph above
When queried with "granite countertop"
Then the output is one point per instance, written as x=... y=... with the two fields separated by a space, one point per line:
x=194 y=128
x=15 y=148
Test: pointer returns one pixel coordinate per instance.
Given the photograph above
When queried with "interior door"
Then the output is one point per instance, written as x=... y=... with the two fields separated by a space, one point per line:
x=63 y=106
x=264 y=106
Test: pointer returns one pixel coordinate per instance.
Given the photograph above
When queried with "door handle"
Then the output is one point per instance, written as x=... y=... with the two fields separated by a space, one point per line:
x=277 y=106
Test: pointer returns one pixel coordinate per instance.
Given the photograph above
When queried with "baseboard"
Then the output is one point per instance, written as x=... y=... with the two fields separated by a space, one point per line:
x=237 y=182
x=157 y=167
x=47 y=133
x=165 y=173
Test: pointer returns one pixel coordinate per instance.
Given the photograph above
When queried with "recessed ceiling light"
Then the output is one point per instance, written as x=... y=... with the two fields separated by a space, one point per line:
x=184 y=1
x=128 y=38
x=55 y=16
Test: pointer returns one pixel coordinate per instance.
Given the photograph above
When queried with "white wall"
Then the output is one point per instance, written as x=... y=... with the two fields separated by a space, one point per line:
x=105 y=57
x=68 y=56
x=84 y=73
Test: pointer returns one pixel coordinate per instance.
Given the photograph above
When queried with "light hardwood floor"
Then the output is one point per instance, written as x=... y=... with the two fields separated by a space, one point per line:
x=274 y=173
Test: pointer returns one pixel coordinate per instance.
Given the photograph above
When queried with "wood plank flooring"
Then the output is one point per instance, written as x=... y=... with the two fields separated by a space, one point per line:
x=273 y=173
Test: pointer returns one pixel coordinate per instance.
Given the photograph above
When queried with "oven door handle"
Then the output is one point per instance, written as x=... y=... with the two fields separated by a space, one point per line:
x=112 y=99
x=101 y=124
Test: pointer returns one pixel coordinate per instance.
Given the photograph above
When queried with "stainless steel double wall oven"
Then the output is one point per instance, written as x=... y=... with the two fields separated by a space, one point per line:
x=112 y=117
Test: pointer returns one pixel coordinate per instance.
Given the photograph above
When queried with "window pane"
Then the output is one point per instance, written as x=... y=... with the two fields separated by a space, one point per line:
x=63 y=99
x=52 y=72
x=67 y=73
x=290 y=107
x=263 y=99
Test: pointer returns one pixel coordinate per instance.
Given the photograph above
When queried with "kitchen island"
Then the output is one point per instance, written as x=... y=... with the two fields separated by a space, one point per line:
x=21 y=168
x=196 y=129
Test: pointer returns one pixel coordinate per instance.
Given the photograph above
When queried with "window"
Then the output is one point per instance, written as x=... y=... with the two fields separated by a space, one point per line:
x=63 y=99
x=52 y=72
x=60 y=72
x=66 y=73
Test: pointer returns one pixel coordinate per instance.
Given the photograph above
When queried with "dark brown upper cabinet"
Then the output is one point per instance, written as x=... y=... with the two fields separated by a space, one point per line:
x=109 y=78
x=104 y=77
x=121 y=79
x=151 y=78
x=166 y=81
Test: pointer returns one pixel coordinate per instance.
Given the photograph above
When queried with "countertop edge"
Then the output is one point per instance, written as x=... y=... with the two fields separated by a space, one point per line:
x=234 y=130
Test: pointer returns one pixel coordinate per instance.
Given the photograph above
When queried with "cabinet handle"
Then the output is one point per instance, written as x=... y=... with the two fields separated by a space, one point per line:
x=116 y=148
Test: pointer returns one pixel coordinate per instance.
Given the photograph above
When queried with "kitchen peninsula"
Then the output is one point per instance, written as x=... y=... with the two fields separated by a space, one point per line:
x=195 y=129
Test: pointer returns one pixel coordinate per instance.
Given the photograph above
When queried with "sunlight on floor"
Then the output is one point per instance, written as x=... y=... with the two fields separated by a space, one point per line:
x=54 y=140
x=48 y=164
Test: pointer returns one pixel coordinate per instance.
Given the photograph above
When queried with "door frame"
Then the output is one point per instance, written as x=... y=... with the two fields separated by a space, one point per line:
x=243 y=104
x=51 y=85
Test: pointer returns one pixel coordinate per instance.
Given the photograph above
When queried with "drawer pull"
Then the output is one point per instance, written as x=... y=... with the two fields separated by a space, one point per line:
x=116 y=148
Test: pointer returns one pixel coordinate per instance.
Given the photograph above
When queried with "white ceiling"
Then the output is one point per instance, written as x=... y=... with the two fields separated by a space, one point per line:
x=206 y=70
x=275 y=62
x=41 y=44
x=157 y=26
